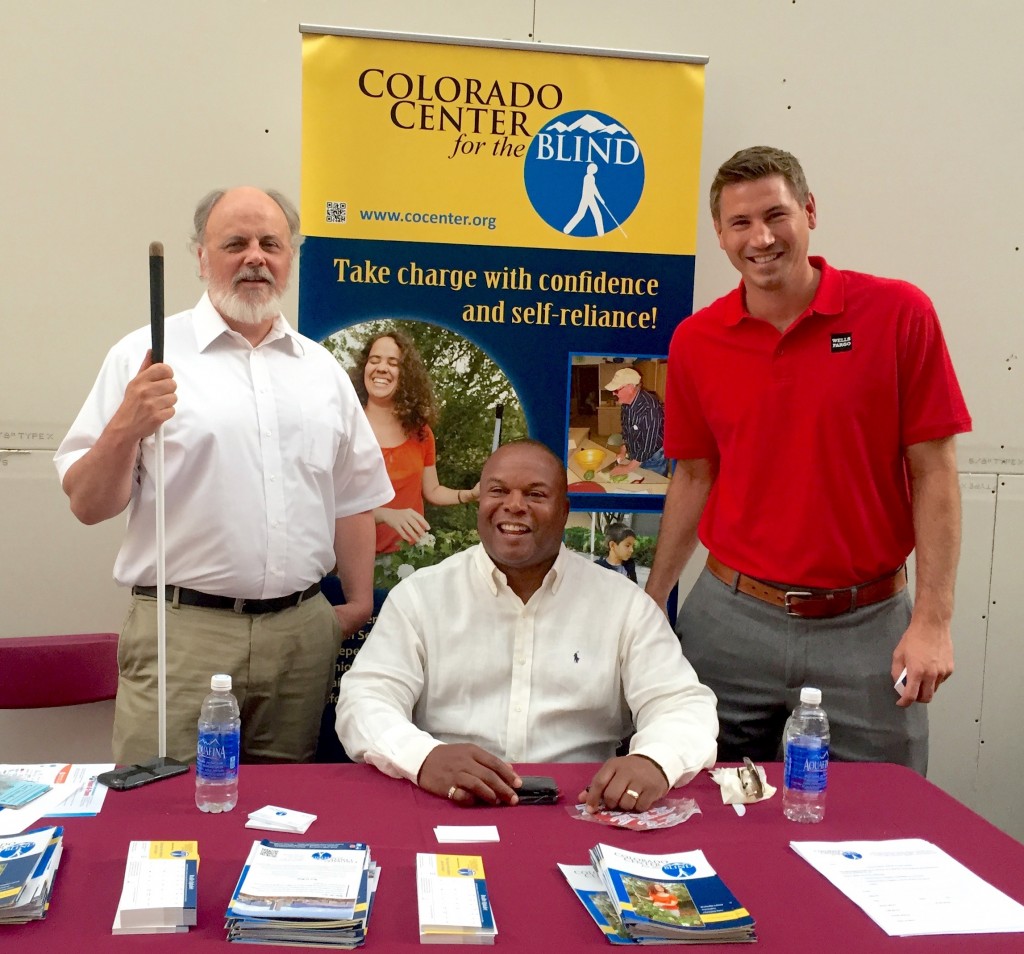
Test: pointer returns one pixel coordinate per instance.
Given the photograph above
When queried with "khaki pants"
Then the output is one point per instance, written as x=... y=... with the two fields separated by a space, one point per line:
x=281 y=666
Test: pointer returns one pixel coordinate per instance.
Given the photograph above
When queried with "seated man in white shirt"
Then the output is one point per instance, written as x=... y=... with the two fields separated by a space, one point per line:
x=518 y=650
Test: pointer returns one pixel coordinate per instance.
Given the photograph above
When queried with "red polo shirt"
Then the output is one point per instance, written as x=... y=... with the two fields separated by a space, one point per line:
x=808 y=428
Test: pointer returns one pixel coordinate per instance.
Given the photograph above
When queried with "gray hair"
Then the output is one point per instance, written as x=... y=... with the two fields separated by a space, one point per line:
x=208 y=201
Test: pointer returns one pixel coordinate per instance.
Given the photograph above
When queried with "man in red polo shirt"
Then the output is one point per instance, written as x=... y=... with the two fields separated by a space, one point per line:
x=812 y=412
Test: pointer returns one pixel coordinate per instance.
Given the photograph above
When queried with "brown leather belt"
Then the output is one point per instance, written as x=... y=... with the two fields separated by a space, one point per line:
x=809 y=602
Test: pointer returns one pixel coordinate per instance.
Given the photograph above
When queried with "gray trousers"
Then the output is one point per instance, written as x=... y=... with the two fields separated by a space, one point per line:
x=756 y=658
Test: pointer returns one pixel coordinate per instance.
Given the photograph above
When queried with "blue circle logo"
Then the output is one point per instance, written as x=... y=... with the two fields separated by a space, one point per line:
x=675 y=870
x=467 y=872
x=321 y=855
x=16 y=849
x=853 y=855
x=584 y=174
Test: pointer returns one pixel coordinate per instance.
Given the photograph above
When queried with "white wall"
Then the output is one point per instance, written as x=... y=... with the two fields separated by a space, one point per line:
x=116 y=116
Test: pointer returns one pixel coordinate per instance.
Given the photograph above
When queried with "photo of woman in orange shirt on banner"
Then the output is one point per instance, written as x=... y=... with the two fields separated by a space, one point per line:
x=395 y=390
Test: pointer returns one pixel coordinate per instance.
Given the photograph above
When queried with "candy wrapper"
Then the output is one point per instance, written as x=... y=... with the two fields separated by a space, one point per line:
x=743 y=785
x=664 y=813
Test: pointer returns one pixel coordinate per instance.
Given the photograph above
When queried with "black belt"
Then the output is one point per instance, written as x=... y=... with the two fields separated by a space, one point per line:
x=186 y=597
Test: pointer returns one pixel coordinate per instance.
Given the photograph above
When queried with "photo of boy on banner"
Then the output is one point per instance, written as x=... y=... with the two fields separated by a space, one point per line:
x=622 y=542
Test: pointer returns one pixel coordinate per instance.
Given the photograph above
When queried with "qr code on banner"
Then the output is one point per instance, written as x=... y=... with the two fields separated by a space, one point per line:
x=337 y=213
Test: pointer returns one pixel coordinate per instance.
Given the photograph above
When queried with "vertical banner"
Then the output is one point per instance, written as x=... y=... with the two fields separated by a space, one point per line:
x=524 y=218
x=534 y=206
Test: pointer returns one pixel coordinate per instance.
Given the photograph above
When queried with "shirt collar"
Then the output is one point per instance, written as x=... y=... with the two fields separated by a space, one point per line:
x=208 y=326
x=827 y=300
x=496 y=580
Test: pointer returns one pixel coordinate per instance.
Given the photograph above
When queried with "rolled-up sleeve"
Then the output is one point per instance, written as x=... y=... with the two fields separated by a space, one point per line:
x=674 y=713
x=377 y=695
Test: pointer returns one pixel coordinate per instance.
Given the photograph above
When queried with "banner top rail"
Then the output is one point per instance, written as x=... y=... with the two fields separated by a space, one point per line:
x=536 y=46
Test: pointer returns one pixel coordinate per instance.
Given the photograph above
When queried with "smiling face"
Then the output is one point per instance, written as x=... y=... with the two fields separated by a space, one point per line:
x=523 y=509
x=765 y=231
x=381 y=374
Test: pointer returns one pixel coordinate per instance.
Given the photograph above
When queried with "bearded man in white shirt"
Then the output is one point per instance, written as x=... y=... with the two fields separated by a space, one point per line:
x=271 y=477
x=518 y=650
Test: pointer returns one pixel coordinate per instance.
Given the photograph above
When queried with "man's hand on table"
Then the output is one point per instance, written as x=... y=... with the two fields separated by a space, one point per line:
x=468 y=775
x=628 y=783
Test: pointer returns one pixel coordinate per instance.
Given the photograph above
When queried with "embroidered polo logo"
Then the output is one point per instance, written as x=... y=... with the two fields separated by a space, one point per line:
x=842 y=342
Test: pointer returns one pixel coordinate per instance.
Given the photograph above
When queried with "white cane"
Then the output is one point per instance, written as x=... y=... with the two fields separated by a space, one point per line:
x=615 y=220
x=152 y=770
x=156 y=327
x=499 y=410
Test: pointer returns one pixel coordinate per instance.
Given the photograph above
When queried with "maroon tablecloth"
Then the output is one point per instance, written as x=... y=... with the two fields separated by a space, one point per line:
x=796 y=909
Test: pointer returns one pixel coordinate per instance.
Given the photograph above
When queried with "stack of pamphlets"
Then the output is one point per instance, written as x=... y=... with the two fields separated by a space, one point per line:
x=674 y=898
x=159 y=893
x=28 y=863
x=454 y=907
x=49 y=790
x=15 y=792
x=306 y=894
x=584 y=880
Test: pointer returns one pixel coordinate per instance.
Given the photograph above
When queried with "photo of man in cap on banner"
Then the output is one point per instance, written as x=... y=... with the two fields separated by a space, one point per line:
x=643 y=423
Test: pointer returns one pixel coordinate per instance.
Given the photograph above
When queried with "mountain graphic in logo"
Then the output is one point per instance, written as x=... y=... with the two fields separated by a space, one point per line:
x=589 y=124
x=584 y=174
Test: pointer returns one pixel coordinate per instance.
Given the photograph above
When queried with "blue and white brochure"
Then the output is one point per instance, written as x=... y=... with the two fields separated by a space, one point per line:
x=28 y=864
x=670 y=896
x=303 y=880
x=15 y=792
x=587 y=885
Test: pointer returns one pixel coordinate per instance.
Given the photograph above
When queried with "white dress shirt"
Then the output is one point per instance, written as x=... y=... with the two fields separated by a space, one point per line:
x=455 y=656
x=266 y=448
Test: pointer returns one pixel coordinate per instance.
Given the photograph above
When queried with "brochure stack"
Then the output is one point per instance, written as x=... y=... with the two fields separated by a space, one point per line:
x=676 y=898
x=311 y=894
x=16 y=792
x=454 y=906
x=28 y=864
x=160 y=888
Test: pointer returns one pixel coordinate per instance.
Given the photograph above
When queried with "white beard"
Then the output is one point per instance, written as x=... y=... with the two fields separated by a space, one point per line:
x=239 y=307
x=247 y=309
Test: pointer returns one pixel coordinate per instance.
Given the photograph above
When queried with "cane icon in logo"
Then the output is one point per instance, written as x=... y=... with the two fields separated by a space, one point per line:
x=584 y=174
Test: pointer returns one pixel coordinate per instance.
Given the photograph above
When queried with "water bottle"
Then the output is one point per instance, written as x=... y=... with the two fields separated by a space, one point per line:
x=806 y=748
x=217 y=748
